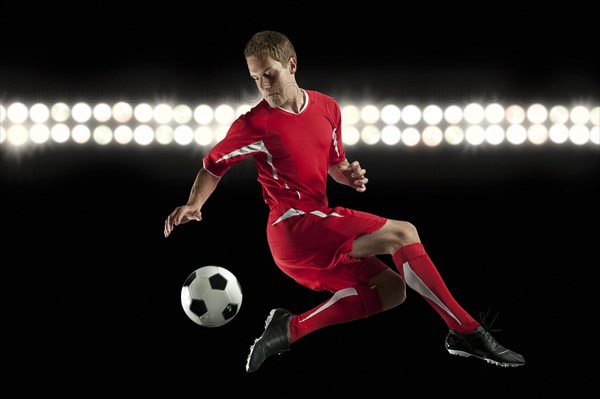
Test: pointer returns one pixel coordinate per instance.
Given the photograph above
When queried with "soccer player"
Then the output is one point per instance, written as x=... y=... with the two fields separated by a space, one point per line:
x=295 y=138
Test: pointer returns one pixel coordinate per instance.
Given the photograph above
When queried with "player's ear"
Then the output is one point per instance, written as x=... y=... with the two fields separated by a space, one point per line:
x=293 y=65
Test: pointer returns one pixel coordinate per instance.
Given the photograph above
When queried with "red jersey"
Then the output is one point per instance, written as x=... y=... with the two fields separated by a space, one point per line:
x=309 y=241
x=292 y=152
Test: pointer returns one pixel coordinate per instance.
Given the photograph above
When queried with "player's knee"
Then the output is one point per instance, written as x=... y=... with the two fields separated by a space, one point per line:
x=407 y=232
x=403 y=233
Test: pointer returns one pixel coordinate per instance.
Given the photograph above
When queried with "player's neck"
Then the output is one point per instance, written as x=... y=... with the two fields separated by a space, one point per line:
x=296 y=103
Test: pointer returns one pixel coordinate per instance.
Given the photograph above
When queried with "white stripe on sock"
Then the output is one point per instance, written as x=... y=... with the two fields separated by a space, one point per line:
x=418 y=285
x=336 y=297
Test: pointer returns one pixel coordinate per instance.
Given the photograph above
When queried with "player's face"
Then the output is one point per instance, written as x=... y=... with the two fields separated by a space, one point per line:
x=276 y=82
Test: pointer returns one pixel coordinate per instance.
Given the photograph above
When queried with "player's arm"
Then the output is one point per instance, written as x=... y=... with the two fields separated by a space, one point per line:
x=204 y=185
x=349 y=174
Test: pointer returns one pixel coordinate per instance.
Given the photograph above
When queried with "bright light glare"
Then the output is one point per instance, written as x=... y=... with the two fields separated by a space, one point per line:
x=475 y=134
x=203 y=114
x=123 y=134
x=221 y=132
x=351 y=135
x=411 y=115
x=494 y=113
x=390 y=135
x=39 y=133
x=558 y=133
x=39 y=113
x=370 y=135
x=595 y=116
x=580 y=115
x=164 y=134
x=515 y=114
x=411 y=137
x=143 y=112
x=203 y=135
x=350 y=115
x=102 y=112
x=453 y=114
x=537 y=114
x=454 y=135
x=60 y=112
x=516 y=134
x=537 y=134
x=369 y=124
x=60 y=133
x=17 y=135
x=494 y=134
x=17 y=113
x=81 y=134
x=102 y=135
x=474 y=114
x=558 y=114
x=579 y=134
x=391 y=114
x=143 y=134
x=81 y=112
x=224 y=114
x=432 y=114
x=163 y=113
x=432 y=136
x=595 y=135
x=369 y=114
x=182 y=114
x=122 y=112
x=183 y=135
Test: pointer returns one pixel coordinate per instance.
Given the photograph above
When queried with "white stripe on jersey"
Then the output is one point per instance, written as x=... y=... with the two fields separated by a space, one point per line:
x=258 y=146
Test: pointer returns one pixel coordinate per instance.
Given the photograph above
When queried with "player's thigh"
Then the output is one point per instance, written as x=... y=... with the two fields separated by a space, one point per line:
x=386 y=240
x=379 y=242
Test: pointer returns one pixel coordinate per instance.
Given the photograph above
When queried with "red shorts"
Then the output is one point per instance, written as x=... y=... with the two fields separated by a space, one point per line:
x=314 y=247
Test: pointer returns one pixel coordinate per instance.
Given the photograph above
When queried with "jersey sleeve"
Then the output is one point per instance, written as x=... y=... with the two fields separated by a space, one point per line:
x=336 y=152
x=231 y=150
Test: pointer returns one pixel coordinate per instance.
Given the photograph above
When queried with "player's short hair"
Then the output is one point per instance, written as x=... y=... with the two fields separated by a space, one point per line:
x=275 y=44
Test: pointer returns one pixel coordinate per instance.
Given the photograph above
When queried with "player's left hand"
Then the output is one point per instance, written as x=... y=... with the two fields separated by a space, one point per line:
x=355 y=175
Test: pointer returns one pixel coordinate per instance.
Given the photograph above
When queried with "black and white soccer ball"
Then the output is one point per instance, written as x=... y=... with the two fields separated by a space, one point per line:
x=211 y=296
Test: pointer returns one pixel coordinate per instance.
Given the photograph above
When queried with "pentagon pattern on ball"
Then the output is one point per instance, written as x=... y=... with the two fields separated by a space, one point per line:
x=211 y=296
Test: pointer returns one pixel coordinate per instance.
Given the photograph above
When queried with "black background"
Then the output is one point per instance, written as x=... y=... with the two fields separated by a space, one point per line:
x=93 y=287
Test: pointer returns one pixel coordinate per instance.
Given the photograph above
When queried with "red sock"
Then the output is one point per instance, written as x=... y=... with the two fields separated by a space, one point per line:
x=421 y=275
x=345 y=305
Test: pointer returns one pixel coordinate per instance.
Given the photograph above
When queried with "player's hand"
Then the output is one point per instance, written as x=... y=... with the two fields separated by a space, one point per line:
x=181 y=215
x=355 y=175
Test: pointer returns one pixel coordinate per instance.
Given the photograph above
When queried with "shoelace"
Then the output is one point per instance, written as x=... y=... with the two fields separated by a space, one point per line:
x=482 y=320
x=488 y=328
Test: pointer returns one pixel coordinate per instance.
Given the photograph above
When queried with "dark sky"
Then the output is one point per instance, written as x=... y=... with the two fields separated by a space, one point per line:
x=418 y=53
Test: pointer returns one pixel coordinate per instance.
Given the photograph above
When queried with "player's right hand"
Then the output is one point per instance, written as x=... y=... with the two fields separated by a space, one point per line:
x=181 y=215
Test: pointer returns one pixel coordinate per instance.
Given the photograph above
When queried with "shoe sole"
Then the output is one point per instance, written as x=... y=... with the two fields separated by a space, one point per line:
x=490 y=361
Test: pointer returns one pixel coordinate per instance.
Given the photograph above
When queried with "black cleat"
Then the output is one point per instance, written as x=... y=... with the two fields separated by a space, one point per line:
x=273 y=341
x=483 y=345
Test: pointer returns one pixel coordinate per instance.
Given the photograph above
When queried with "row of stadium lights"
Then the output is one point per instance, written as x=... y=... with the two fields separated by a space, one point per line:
x=165 y=124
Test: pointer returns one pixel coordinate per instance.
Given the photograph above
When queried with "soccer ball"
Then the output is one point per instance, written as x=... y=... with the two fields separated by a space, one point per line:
x=211 y=296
